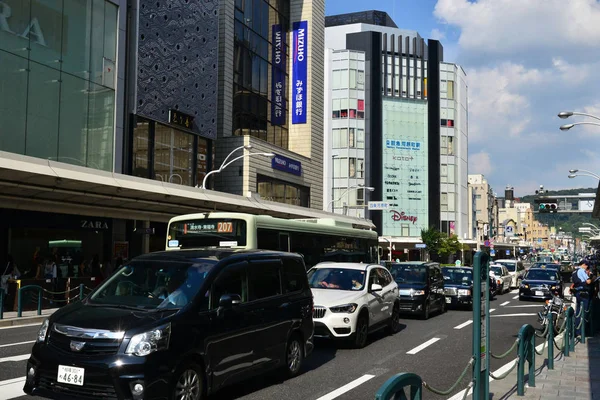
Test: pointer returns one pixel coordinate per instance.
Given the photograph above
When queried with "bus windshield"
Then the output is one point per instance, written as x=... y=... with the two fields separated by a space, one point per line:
x=199 y=233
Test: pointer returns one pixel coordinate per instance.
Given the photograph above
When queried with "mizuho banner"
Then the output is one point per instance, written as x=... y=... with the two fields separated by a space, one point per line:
x=278 y=57
x=299 y=72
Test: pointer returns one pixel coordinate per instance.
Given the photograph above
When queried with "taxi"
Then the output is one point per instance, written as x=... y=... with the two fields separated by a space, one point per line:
x=540 y=283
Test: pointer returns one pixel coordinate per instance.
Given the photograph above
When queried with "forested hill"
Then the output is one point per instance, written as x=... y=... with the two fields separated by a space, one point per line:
x=568 y=222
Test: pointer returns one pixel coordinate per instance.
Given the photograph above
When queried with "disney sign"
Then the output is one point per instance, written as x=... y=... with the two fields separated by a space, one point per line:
x=402 y=216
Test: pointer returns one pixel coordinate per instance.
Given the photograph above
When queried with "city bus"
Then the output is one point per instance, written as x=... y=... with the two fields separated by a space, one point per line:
x=317 y=240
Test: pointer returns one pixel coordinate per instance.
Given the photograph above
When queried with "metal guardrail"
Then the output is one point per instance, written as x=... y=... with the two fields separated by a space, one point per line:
x=394 y=388
x=40 y=295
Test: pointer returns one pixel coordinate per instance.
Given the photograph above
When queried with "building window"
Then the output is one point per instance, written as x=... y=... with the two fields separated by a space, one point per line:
x=405 y=229
x=141 y=149
x=61 y=81
x=252 y=71
x=283 y=192
x=450 y=92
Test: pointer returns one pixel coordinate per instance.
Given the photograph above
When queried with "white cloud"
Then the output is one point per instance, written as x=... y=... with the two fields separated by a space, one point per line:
x=508 y=26
x=436 y=34
x=480 y=163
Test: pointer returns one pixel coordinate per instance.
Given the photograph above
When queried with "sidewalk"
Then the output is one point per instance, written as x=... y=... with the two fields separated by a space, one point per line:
x=571 y=378
x=29 y=317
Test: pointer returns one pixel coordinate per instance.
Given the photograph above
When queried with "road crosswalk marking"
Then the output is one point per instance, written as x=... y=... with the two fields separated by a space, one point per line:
x=17 y=344
x=12 y=388
x=15 y=358
x=505 y=303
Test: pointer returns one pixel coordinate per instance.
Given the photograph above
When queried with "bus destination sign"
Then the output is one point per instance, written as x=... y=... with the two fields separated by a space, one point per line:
x=201 y=227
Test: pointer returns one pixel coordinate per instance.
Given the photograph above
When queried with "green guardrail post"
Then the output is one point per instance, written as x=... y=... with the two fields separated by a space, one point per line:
x=572 y=329
x=550 y=340
x=81 y=288
x=481 y=346
x=567 y=333
x=39 y=310
x=393 y=388
x=582 y=322
x=1 y=303
x=526 y=353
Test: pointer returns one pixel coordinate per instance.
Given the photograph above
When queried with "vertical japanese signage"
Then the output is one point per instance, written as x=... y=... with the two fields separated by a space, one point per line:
x=299 y=72
x=278 y=57
x=405 y=167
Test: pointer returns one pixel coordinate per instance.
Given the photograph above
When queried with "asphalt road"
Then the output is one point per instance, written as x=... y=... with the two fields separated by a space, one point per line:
x=437 y=349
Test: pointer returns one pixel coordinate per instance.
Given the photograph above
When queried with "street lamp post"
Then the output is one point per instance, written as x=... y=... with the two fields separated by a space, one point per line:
x=567 y=114
x=227 y=163
x=359 y=186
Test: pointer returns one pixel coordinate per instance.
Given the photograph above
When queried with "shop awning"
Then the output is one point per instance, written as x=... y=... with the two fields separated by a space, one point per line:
x=35 y=184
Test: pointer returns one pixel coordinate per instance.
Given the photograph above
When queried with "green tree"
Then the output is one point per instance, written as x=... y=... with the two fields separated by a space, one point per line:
x=448 y=245
x=432 y=238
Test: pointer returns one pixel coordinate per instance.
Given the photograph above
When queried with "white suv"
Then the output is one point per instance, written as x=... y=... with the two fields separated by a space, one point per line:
x=352 y=300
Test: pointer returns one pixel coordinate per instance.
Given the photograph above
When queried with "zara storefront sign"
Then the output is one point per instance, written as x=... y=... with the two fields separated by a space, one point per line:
x=95 y=225
x=33 y=30
x=286 y=164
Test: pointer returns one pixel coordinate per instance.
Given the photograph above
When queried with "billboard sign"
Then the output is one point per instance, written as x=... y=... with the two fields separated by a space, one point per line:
x=405 y=167
x=278 y=57
x=300 y=72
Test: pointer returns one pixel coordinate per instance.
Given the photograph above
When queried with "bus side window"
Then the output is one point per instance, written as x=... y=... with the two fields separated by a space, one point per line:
x=284 y=242
x=267 y=239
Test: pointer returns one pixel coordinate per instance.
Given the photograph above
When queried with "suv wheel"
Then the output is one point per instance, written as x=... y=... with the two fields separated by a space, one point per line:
x=443 y=306
x=394 y=324
x=188 y=384
x=362 y=331
x=426 y=310
x=294 y=356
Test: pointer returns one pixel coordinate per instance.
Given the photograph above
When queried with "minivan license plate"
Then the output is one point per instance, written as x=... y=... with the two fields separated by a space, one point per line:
x=539 y=293
x=70 y=375
x=448 y=300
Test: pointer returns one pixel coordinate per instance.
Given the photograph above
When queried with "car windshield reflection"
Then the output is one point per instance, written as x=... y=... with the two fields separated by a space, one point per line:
x=336 y=278
x=408 y=274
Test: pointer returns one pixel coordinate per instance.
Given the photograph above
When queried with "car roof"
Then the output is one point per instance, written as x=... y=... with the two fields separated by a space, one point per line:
x=505 y=260
x=413 y=263
x=454 y=266
x=346 y=265
x=540 y=269
x=213 y=254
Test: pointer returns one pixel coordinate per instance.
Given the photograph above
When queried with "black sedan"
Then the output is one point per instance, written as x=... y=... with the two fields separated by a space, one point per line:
x=540 y=283
x=458 y=286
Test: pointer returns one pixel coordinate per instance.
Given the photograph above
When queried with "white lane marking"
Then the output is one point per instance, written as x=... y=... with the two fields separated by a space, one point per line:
x=12 y=388
x=19 y=326
x=460 y=395
x=17 y=344
x=524 y=306
x=514 y=315
x=424 y=345
x=514 y=291
x=469 y=322
x=346 y=388
x=505 y=303
x=15 y=358
x=515 y=298
x=492 y=310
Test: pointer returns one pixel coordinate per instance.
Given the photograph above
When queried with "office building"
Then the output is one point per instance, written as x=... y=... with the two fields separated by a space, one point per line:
x=399 y=126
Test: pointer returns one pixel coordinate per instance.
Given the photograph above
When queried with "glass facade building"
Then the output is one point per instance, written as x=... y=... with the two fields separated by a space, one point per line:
x=252 y=94
x=57 y=77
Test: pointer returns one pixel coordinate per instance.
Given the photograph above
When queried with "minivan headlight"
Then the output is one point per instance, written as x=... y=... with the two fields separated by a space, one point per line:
x=344 y=308
x=41 y=336
x=148 y=342
x=464 y=292
x=415 y=292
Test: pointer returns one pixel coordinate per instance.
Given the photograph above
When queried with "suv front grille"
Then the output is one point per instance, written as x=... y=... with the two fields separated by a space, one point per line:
x=450 y=291
x=91 y=347
x=319 y=312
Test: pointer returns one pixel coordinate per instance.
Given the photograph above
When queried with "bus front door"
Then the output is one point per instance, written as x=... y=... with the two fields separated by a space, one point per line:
x=284 y=242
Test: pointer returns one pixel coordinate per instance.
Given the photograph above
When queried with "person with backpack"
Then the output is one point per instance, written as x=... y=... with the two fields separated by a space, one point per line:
x=581 y=287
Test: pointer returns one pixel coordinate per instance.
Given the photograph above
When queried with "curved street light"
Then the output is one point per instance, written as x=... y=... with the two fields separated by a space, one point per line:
x=227 y=163
x=590 y=224
x=571 y=176
x=567 y=114
x=569 y=126
x=359 y=186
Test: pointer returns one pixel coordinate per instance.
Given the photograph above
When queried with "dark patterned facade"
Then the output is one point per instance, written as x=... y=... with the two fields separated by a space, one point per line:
x=177 y=61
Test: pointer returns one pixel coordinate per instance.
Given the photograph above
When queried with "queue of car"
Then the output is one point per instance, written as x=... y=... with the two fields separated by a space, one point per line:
x=182 y=325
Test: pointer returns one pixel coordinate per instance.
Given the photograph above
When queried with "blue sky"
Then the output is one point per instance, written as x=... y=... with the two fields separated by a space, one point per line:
x=525 y=62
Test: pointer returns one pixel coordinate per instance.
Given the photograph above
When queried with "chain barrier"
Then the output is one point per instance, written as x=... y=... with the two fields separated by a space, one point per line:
x=447 y=392
x=561 y=347
x=505 y=374
x=541 y=352
x=543 y=335
x=515 y=344
x=61 y=300
x=64 y=292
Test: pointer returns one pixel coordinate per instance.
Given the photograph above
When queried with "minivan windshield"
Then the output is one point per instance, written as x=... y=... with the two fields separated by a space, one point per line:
x=458 y=276
x=154 y=284
x=409 y=274
x=541 y=275
x=496 y=270
x=336 y=278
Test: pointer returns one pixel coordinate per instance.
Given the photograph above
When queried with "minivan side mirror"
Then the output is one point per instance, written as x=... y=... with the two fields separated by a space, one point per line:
x=227 y=301
x=376 y=287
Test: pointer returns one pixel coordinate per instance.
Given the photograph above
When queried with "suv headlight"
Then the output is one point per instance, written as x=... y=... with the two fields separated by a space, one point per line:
x=464 y=292
x=43 y=332
x=344 y=308
x=414 y=292
x=148 y=342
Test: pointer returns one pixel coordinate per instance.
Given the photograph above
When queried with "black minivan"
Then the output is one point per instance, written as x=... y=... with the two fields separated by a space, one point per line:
x=421 y=287
x=177 y=325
